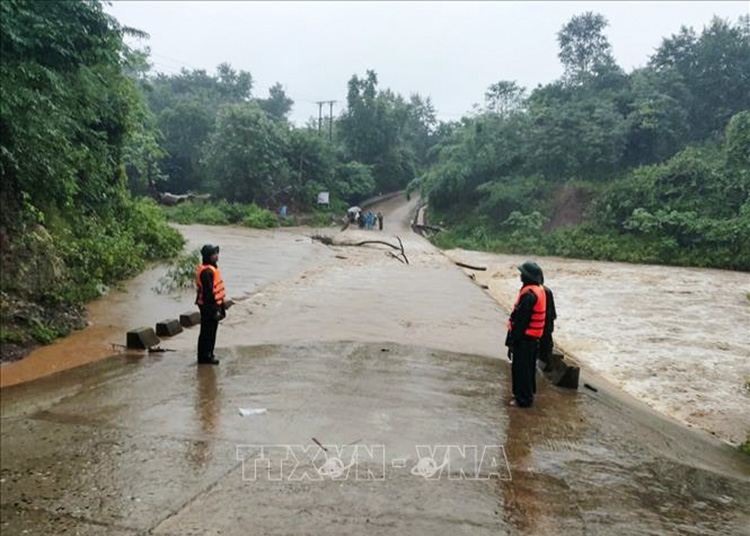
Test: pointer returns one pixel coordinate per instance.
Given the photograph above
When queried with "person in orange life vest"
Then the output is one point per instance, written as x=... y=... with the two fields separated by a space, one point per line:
x=525 y=329
x=210 y=299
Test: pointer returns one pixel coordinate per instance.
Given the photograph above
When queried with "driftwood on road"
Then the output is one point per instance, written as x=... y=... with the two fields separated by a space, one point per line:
x=329 y=241
x=470 y=267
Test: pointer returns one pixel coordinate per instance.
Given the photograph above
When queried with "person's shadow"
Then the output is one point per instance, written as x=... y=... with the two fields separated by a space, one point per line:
x=207 y=407
x=534 y=500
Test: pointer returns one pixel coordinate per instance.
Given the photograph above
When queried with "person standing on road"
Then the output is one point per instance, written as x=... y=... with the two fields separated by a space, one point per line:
x=380 y=221
x=211 y=302
x=525 y=329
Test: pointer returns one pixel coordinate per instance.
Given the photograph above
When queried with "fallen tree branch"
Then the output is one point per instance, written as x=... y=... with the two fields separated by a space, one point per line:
x=403 y=253
x=365 y=242
x=399 y=259
x=470 y=267
x=329 y=241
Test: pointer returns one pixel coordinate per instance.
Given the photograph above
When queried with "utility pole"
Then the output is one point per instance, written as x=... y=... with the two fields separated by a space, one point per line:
x=320 y=104
x=320 y=115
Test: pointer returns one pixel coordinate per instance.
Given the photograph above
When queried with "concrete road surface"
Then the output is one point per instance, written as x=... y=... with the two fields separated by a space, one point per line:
x=385 y=394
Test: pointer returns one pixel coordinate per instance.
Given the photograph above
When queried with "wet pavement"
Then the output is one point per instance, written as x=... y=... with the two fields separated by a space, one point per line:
x=152 y=444
x=378 y=358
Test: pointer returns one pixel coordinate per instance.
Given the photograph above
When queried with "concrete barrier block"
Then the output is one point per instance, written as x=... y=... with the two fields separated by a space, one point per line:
x=191 y=318
x=168 y=328
x=141 y=339
x=559 y=373
x=570 y=378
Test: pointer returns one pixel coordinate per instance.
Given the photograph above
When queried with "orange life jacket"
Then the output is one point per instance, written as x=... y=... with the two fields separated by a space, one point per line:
x=219 y=292
x=538 y=314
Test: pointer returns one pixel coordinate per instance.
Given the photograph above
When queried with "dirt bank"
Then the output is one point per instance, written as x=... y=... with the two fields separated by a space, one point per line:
x=675 y=338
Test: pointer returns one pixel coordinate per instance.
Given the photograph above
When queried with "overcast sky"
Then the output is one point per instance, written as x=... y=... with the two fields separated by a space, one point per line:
x=449 y=50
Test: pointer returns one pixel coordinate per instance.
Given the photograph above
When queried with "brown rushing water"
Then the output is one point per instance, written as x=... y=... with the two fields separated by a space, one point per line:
x=149 y=443
x=675 y=338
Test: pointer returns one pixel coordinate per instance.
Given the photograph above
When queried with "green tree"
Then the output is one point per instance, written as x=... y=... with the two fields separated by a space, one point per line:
x=311 y=167
x=186 y=127
x=245 y=157
x=354 y=182
x=504 y=97
x=715 y=68
x=186 y=106
x=372 y=131
x=278 y=104
x=73 y=129
x=585 y=51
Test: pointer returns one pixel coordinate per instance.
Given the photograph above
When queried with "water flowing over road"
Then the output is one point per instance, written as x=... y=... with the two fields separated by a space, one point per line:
x=397 y=370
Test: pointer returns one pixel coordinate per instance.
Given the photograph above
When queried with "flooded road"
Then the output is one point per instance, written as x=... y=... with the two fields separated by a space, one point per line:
x=675 y=338
x=351 y=347
x=250 y=260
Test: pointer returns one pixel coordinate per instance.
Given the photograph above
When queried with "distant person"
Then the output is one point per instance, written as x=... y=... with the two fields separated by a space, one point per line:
x=380 y=221
x=361 y=220
x=370 y=220
x=211 y=302
x=525 y=329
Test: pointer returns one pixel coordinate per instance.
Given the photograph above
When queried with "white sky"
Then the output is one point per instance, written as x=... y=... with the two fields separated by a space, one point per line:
x=449 y=50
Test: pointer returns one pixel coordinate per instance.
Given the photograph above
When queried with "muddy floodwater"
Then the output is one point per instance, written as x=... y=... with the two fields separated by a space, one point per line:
x=375 y=396
x=675 y=338
x=253 y=259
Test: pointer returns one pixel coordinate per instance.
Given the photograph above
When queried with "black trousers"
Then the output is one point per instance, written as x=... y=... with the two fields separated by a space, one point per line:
x=207 y=337
x=523 y=370
x=546 y=344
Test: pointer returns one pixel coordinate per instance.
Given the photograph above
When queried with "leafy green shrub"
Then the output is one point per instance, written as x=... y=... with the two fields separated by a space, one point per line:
x=259 y=218
x=43 y=334
x=149 y=228
x=181 y=274
x=197 y=212
x=322 y=219
x=222 y=212
x=12 y=336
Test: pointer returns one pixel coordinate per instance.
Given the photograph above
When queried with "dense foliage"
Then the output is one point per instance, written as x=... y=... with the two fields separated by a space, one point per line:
x=220 y=139
x=650 y=166
x=71 y=123
x=647 y=166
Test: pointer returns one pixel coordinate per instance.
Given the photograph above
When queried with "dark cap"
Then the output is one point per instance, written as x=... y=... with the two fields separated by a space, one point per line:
x=208 y=250
x=532 y=271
